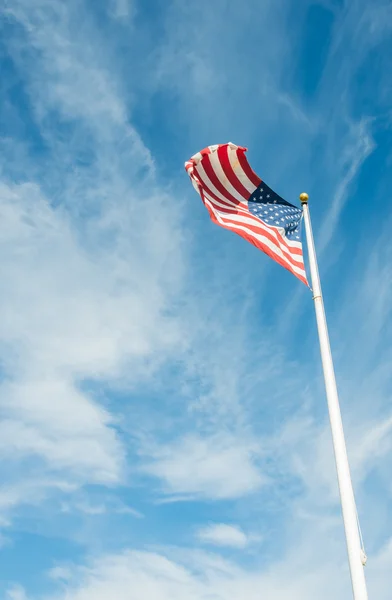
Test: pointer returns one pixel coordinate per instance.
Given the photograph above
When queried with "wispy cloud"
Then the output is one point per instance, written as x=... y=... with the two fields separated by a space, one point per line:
x=147 y=358
x=131 y=575
x=79 y=301
x=122 y=9
x=16 y=592
x=221 y=534
x=351 y=161
x=215 y=467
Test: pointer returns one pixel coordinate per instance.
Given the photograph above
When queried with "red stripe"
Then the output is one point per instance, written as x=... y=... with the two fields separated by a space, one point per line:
x=207 y=190
x=255 y=179
x=209 y=169
x=286 y=257
x=205 y=151
x=223 y=155
x=211 y=193
x=231 y=206
x=259 y=224
x=258 y=245
x=269 y=235
x=237 y=209
x=233 y=226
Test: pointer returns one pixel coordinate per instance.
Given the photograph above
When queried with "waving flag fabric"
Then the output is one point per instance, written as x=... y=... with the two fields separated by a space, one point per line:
x=237 y=199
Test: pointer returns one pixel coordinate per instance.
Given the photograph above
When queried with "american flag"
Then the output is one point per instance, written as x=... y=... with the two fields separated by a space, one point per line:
x=238 y=200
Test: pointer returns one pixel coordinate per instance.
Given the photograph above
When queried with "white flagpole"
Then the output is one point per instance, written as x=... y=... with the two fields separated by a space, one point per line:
x=355 y=554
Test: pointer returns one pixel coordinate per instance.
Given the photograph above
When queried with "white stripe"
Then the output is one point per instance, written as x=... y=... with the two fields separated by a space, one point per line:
x=295 y=268
x=236 y=224
x=229 y=204
x=195 y=184
x=240 y=219
x=208 y=183
x=233 y=157
x=255 y=222
x=216 y=165
x=273 y=247
x=239 y=171
x=292 y=243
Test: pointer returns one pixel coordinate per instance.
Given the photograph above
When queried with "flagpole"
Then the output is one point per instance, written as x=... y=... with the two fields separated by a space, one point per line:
x=355 y=555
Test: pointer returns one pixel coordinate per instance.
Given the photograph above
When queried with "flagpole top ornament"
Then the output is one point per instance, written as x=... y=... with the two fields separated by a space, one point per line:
x=304 y=198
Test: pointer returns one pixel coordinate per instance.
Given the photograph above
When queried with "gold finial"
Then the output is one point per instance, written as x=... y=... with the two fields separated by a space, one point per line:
x=304 y=198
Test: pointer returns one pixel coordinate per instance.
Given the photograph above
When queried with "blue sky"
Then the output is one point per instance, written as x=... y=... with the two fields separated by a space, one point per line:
x=164 y=429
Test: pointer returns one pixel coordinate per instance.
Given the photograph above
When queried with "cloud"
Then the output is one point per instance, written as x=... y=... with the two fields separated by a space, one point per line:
x=212 y=467
x=73 y=82
x=190 y=575
x=139 y=349
x=135 y=575
x=190 y=65
x=121 y=9
x=360 y=146
x=86 y=503
x=220 y=534
x=67 y=317
x=16 y=592
x=60 y=573
x=88 y=277
x=46 y=419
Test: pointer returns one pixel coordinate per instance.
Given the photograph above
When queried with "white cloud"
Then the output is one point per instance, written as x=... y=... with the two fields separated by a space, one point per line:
x=221 y=534
x=16 y=592
x=311 y=572
x=359 y=146
x=60 y=573
x=68 y=316
x=105 y=504
x=213 y=467
x=89 y=276
x=87 y=309
x=92 y=452
x=68 y=76
x=373 y=441
x=121 y=9
x=88 y=284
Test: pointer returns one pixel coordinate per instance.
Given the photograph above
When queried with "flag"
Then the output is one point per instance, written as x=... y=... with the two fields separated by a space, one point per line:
x=237 y=199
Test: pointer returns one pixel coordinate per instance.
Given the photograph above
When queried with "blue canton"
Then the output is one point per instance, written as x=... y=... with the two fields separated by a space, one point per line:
x=270 y=208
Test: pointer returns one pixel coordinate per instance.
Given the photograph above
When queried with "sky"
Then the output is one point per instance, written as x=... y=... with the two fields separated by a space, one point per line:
x=164 y=431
